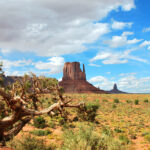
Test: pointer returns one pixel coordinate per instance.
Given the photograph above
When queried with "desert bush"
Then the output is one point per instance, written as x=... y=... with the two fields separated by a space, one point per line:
x=133 y=136
x=116 y=100
x=2 y=109
x=105 y=100
x=87 y=139
x=61 y=121
x=124 y=139
x=136 y=102
x=88 y=111
x=51 y=124
x=29 y=143
x=40 y=132
x=118 y=130
x=146 y=101
x=114 y=106
x=128 y=101
x=145 y=133
x=39 y=122
x=107 y=131
x=146 y=136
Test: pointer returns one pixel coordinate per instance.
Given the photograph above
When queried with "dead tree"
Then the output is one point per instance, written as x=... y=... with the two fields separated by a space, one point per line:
x=18 y=98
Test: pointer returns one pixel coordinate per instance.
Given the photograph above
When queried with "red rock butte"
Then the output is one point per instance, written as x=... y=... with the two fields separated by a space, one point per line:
x=74 y=80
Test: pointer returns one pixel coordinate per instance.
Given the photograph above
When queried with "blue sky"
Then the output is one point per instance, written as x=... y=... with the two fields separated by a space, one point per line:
x=111 y=37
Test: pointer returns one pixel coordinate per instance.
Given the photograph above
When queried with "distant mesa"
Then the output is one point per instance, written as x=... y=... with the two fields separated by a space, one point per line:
x=115 y=90
x=11 y=79
x=74 y=80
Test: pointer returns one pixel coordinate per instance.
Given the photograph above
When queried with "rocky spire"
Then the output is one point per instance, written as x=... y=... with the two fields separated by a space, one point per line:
x=83 y=68
x=115 y=87
x=115 y=90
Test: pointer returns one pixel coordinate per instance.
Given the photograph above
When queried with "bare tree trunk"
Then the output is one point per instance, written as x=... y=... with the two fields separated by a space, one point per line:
x=2 y=139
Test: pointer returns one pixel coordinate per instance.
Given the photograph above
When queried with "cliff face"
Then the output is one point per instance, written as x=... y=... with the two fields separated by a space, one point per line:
x=74 y=80
x=72 y=71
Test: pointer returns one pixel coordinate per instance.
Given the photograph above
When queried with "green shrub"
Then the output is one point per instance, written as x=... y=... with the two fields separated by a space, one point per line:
x=124 y=139
x=147 y=137
x=41 y=132
x=118 y=130
x=2 y=109
x=88 y=111
x=136 y=102
x=107 y=131
x=128 y=101
x=114 y=106
x=61 y=121
x=146 y=101
x=133 y=136
x=105 y=100
x=145 y=133
x=87 y=139
x=51 y=124
x=39 y=122
x=29 y=143
x=116 y=100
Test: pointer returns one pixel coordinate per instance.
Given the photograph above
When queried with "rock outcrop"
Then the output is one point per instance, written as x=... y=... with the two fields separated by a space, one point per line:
x=72 y=71
x=115 y=90
x=74 y=80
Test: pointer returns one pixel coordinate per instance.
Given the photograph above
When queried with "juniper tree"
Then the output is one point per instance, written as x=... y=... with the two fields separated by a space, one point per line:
x=21 y=99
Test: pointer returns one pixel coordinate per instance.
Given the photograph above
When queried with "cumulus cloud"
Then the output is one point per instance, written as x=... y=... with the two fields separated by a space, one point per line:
x=54 y=65
x=128 y=82
x=134 y=84
x=7 y=64
x=146 y=43
x=116 y=57
x=19 y=67
x=102 y=82
x=54 y=27
x=118 y=41
x=120 y=25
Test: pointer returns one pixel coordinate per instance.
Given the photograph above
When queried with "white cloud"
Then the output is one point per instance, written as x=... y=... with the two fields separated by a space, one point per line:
x=102 y=82
x=94 y=65
x=117 y=57
x=134 y=84
x=7 y=64
x=127 y=74
x=120 y=25
x=15 y=73
x=60 y=79
x=118 y=41
x=146 y=29
x=54 y=27
x=129 y=82
x=146 y=43
x=20 y=67
x=54 y=65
